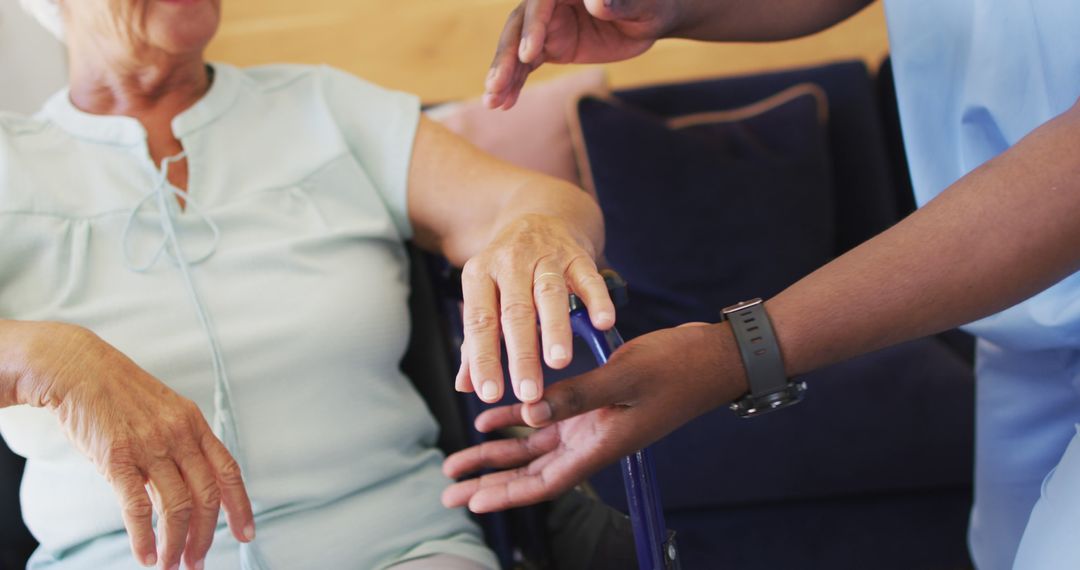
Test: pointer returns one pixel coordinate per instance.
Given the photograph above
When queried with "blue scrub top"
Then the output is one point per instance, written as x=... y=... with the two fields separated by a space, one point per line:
x=973 y=77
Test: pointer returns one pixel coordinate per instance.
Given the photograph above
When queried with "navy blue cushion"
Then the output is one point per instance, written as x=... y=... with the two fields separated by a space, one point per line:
x=865 y=185
x=705 y=213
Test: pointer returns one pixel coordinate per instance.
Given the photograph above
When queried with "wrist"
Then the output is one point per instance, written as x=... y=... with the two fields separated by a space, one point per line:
x=726 y=379
x=30 y=367
x=726 y=345
x=15 y=342
x=680 y=18
x=770 y=387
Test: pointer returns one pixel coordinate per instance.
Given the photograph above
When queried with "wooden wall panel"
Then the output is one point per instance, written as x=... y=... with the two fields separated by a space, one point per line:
x=440 y=49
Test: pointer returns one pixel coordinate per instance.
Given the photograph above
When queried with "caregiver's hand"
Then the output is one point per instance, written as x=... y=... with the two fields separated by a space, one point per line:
x=572 y=31
x=151 y=444
x=651 y=386
x=525 y=274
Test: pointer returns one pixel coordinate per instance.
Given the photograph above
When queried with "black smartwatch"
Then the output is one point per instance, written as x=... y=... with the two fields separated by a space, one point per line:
x=770 y=388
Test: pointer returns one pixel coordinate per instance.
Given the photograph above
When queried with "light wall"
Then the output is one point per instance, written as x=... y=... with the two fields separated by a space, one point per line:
x=31 y=61
x=440 y=49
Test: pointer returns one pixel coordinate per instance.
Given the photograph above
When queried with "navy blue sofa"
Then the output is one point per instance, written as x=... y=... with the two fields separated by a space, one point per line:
x=874 y=469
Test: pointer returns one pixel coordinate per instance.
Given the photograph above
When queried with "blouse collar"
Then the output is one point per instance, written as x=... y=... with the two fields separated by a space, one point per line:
x=127 y=131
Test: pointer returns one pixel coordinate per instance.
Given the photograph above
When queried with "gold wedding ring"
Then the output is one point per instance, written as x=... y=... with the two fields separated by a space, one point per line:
x=545 y=274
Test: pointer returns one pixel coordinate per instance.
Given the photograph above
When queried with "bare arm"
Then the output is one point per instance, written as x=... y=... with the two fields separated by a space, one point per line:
x=757 y=21
x=999 y=235
x=526 y=240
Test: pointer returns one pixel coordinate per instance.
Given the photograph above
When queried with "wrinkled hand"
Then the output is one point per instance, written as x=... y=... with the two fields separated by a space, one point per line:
x=152 y=445
x=528 y=271
x=651 y=386
x=571 y=31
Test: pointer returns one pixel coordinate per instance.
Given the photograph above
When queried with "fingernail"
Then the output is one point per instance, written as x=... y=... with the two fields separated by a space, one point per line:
x=490 y=75
x=523 y=50
x=540 y=412
x=200 y=565
x=558 y=353
x=528 y=390
x=150 y=559
x=249 y=532
x=489 y=390
x=175 y=566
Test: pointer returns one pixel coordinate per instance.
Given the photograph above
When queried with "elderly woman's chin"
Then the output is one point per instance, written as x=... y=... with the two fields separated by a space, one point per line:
x=181 y=26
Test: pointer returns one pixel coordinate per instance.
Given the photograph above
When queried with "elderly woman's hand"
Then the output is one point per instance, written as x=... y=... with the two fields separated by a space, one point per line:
x=526 y=274
x=151 y=444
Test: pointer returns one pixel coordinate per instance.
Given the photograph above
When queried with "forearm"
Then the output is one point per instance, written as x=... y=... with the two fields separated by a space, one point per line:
x=769 y=20
x=998 y=236
x=31 y=355
x=13 y=361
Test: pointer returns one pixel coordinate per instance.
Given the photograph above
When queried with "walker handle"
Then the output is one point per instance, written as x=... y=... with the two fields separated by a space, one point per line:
x=656 y=548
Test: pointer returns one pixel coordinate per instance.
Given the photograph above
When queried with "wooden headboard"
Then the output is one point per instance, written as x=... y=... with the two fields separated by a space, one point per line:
x=440 y=49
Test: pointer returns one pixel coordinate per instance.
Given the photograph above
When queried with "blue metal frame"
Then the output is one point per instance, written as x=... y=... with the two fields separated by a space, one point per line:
x=656 y=550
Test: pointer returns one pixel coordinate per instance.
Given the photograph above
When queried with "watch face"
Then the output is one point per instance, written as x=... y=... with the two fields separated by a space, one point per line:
x=749 y=406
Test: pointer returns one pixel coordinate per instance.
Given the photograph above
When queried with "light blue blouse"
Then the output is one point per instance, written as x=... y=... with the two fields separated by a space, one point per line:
x=973 y=77
x=276 y=301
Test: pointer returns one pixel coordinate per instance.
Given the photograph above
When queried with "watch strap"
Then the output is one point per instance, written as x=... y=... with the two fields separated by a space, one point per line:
x=758 y=347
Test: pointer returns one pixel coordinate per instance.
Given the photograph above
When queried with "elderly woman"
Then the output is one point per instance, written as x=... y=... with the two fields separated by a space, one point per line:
x=203 y=293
